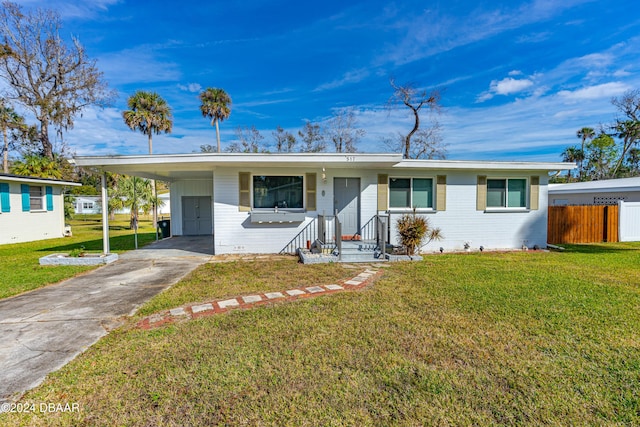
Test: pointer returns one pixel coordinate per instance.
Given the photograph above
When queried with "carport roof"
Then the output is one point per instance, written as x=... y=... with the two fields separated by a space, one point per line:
x=171 y=167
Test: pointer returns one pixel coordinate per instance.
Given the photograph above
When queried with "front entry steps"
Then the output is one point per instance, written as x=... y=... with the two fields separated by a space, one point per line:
x=353 y=251
x=360 y=251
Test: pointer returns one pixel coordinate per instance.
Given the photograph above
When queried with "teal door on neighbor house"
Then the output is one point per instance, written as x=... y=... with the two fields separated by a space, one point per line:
x=346 y=204
x=196 y=216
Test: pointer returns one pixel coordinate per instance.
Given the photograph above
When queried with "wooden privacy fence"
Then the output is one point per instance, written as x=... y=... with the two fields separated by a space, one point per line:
x=582 y=224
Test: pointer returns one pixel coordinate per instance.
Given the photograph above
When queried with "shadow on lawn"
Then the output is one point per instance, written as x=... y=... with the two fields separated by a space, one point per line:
x=117 y=243
x=601 y=248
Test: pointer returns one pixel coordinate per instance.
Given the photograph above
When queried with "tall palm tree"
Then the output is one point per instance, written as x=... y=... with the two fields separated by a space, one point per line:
x=215 y=104
x=584 y=134
x=9 y=120
x=148 y=113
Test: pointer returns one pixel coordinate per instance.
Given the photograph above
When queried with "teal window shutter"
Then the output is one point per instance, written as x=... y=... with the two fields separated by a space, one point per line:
x=26 y=201
x=5 y=200
x=49 y=191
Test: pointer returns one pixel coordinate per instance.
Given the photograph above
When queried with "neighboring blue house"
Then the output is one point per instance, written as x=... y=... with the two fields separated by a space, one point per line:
x=31 y=208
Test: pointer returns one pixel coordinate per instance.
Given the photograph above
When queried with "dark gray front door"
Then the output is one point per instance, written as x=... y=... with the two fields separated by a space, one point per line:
x=346 y=202
x=196 y=215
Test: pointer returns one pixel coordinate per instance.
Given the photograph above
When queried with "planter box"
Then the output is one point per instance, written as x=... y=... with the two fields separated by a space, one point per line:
x=89 y=259
x=276 y=217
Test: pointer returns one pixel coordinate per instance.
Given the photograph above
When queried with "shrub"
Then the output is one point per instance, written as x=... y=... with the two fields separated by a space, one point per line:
x=413 y=230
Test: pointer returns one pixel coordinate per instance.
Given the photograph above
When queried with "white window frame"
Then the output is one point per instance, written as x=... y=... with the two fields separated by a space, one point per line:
x=410 y=208
x=41 y=198
x=508 y=208
x=252 y=192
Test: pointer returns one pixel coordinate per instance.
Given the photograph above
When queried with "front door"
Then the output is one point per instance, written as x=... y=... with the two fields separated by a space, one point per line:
x=346 y=204
x=196 y=215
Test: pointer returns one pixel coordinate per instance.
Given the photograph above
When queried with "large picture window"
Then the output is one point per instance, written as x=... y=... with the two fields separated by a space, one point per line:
x=411 y=193
x=507 y=193
x=278 y=191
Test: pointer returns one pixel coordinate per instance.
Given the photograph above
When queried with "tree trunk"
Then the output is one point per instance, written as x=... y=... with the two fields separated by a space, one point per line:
x=47 y=148
x=150 y=143
x=416 y=125
x=5 y=154
x=218 y=135
x=155 y=206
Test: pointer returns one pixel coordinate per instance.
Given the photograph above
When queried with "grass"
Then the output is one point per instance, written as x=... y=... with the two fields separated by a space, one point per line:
x=19 y=266
x=473 y=339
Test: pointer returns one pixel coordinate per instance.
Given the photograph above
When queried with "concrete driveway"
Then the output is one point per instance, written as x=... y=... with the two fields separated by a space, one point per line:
x=44 y=329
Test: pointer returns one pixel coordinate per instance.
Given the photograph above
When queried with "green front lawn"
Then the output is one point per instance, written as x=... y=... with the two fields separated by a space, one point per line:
x=19 y=268
x=474 y=339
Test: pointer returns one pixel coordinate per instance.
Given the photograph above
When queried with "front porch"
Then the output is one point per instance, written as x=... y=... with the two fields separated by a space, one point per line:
x=322 y=240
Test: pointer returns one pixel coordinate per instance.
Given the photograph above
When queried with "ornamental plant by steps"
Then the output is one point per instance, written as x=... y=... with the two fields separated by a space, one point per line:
x=413 y=230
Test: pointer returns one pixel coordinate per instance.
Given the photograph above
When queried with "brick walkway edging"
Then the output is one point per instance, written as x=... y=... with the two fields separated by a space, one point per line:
x=249 y=301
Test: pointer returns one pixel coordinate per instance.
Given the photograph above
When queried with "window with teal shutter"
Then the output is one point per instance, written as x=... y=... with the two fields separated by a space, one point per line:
x=26 y=198
x=4 y=197
x=49 y=191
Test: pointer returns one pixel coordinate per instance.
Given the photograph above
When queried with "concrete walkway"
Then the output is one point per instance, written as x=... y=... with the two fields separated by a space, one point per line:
x=44 y=329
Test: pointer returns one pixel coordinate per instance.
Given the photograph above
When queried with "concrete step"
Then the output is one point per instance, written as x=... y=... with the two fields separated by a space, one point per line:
x=366 y=257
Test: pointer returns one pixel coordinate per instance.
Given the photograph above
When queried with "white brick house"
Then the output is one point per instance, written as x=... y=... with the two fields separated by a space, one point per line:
x=258 y=203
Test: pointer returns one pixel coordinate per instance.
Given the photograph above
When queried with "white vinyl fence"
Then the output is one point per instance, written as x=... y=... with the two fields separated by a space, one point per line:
x=629 y=224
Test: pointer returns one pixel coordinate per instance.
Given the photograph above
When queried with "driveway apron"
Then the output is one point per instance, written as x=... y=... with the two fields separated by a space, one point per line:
x=42 y=330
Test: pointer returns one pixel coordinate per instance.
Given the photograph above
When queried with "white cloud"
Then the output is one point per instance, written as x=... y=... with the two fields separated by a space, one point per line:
x=506 y=86
x=72 y=9
x=430 y=33
x=138 y=64
x=353 y=76
x=510 y=85
x=190 y=87
x=601 y=91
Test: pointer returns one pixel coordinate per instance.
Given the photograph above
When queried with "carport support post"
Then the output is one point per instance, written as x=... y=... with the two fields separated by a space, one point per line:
x=105 y=215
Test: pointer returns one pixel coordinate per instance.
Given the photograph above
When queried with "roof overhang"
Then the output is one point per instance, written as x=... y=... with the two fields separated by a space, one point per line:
x=484 y=165
x=36 y=180
x=171 y=167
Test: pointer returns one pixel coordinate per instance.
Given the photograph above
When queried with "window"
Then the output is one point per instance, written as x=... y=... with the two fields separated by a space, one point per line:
x=87 y=205
x=286 y=192
x=411 y=193
x=507 y=193
x=35 y=198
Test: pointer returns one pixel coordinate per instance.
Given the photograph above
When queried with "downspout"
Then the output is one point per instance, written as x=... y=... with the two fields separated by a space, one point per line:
x=105 y=215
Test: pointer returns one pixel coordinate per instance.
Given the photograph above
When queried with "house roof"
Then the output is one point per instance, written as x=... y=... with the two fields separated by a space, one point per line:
x=608 y=185
x=36 y=180
x=169 y=167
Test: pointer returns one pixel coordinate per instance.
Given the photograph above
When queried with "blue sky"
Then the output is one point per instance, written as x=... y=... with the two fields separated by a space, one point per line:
x=518 y=78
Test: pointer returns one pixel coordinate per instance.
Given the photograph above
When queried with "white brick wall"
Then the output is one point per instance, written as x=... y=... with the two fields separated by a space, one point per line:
x=460 y=223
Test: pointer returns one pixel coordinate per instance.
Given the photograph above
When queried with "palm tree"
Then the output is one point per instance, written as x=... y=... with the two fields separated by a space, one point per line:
x=572 y=155
x=584 y=134
x=149 y=113
x=38 y=166
x=135 y=194
x=9 y=120
x=216 y=105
